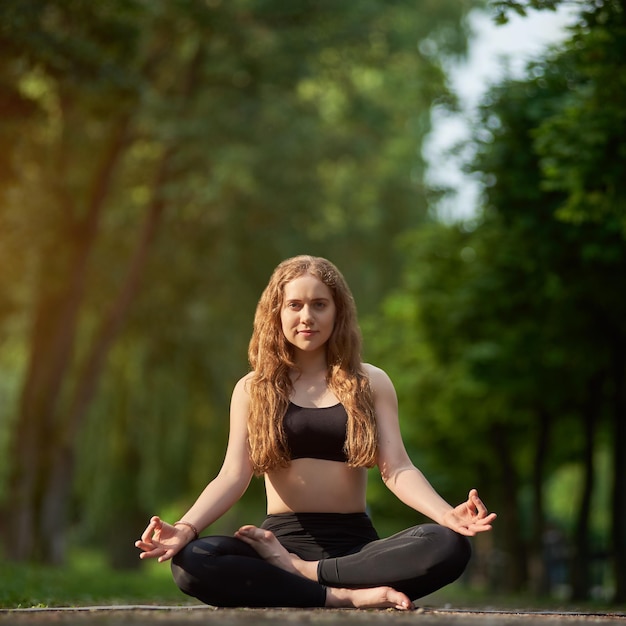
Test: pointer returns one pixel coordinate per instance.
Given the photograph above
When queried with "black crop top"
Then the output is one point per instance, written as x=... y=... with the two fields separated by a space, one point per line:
x=316 y=433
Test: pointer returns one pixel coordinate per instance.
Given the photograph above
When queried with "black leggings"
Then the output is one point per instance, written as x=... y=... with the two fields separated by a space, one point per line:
x=225 y=571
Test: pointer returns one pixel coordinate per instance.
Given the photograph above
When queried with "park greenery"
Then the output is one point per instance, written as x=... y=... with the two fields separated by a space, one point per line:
x=161 y=157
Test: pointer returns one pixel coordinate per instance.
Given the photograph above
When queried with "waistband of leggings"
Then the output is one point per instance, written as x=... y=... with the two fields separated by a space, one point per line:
x=318 y=516
x=335 y=519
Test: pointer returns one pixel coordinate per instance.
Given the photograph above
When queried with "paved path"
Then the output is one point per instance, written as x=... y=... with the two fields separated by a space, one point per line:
x=207 y=616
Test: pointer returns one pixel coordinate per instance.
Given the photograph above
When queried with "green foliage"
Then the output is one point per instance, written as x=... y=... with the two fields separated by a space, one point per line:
x=508 y=332
x=554 y=190
x=502 y=8
x=582 y=142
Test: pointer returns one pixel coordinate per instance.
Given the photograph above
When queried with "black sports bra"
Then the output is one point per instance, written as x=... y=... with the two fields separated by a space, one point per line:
x=316 y=433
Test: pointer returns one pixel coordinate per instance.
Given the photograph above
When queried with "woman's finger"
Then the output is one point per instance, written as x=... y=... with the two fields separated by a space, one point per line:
x=151 y=554
x=484 y=523
x=166 y=556
x=145 y=545
x=154 y=525
x=480 y=507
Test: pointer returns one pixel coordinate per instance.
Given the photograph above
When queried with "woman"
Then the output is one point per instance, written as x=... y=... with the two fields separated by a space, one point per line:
x=311 y=418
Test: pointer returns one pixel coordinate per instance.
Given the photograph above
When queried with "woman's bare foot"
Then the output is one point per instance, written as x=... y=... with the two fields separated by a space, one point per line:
x=268 y=547
x=372 y=598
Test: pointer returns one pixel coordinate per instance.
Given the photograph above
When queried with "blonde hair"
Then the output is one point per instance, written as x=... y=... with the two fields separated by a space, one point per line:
x=271 y=358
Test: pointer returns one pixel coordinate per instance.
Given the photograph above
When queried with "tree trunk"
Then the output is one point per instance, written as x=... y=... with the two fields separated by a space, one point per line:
x=580 y=562
x=536 y=564
x=58 y=486
x=514 y=575
x=52 y=349
x=619 y=470
x=125 y=513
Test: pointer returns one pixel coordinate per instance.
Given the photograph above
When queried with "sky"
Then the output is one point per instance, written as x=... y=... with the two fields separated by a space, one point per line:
x=494 y=52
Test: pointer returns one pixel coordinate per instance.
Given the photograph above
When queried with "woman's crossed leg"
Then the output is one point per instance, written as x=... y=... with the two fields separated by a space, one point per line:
x=270 y=549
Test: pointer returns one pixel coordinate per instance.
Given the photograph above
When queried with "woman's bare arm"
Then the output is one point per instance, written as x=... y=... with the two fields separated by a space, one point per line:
x=407 y=482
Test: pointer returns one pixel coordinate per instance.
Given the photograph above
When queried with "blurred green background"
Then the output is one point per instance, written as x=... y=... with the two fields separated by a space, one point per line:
x=159 y=158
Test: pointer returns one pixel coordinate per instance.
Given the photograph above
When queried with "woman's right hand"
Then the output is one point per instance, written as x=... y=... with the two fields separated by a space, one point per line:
x=162 y=541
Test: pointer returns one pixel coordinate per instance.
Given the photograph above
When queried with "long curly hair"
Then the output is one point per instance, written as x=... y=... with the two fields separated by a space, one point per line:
x=271 y=358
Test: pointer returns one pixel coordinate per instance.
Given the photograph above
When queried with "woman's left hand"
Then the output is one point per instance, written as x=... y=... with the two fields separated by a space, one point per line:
x=470 y=517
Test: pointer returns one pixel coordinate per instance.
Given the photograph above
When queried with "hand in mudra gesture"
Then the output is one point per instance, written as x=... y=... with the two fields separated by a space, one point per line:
x=162 y=541
x=470 y=517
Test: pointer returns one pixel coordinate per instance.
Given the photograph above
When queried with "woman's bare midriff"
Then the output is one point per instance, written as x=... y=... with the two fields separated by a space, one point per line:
x=316 y=486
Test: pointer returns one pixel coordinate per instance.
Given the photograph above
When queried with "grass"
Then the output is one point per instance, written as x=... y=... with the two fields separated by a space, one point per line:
x=86 y=580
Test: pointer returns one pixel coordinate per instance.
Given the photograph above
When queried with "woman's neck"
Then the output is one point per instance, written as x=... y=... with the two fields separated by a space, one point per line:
x=310 y=383
x=311 y=364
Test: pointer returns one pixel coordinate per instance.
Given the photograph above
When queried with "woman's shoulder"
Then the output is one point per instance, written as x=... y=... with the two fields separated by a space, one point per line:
x=244 y=379
x=377 y=376
x=242 y=386
x=373 y=371
x=383 y=389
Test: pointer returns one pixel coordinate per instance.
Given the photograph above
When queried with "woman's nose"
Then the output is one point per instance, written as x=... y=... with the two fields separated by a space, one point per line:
x=307 y=314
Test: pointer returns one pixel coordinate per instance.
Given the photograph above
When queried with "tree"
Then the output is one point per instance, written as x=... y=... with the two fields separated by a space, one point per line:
x=185 y=148
x=580 y=145
x=530 y=297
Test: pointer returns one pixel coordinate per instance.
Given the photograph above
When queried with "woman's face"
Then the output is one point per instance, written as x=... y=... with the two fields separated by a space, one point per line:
x=308 y=313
